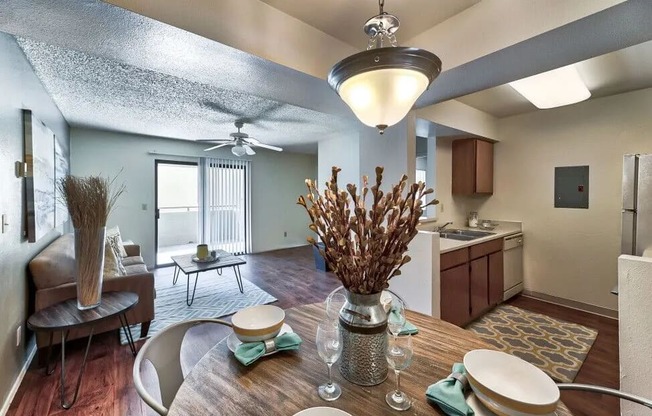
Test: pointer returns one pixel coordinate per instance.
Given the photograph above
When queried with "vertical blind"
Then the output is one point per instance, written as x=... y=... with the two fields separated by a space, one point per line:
x=224 y=208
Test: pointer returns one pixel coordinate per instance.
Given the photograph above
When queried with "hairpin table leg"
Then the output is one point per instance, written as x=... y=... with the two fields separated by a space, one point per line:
x=238 y=278
x=190 y=300
x=49 y=371
x=175 y=278
x=127 y=331
x=64 y=335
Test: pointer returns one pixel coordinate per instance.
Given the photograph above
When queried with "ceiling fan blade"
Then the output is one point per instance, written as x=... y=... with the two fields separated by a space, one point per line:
x=214 y=140
x=248 y=149
x=251 y=140
x=216 y=147
x=270 y=147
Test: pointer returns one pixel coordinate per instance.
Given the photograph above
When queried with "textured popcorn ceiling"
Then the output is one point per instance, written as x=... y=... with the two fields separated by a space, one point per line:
x=105 y=94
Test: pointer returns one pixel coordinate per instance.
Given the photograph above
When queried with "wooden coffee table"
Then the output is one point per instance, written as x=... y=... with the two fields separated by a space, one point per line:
x=185 y=264
x=64 y=316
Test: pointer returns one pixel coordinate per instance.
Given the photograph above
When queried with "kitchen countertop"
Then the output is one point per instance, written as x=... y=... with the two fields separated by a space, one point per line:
x=503 y=229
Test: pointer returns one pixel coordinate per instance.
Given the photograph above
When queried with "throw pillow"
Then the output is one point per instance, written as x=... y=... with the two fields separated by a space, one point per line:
x=113 y=237
x=111 y=268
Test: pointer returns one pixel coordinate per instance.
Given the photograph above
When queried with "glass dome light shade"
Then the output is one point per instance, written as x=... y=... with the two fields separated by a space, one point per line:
x=381 y=85
x=383 y=97
x=238 y=150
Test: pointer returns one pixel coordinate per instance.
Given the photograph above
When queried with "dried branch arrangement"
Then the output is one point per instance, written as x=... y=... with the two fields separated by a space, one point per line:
x=89 y=200
x=365 y=247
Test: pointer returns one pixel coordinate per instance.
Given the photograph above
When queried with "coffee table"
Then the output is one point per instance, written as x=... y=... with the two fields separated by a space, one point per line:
x=186 y=265
x=64 y=316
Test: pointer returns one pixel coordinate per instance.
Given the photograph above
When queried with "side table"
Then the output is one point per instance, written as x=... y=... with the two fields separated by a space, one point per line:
x=64 y=316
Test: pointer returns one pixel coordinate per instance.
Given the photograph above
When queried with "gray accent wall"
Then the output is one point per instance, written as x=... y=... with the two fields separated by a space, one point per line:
x=19 y=88
x=277 y=180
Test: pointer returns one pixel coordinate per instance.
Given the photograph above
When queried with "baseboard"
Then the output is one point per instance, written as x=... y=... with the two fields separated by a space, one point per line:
x=14 y=388
x=580 y=306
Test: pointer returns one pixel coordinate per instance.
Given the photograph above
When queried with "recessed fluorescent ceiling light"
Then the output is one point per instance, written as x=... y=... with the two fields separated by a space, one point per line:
x=556 y=88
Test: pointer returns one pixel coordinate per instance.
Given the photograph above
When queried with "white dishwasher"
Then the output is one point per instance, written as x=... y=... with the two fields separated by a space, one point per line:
x=512 y=265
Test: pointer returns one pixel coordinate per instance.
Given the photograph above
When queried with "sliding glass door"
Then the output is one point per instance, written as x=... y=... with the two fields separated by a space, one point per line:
x=177 y=191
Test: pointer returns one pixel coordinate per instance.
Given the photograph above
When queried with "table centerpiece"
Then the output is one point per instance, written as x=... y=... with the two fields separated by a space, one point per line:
x=365 y=248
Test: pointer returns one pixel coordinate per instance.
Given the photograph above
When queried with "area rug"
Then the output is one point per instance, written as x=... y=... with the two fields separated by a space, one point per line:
x=557 y=347
x=216 y=296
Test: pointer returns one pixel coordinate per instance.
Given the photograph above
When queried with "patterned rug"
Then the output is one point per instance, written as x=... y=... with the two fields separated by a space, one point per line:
x=557 y=347
x=216 y=296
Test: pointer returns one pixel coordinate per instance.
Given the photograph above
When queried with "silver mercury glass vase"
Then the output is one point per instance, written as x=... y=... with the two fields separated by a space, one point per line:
x=363 y=327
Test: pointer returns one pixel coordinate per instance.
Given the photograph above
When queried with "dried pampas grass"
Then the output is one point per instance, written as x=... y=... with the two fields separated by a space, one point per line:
x=365 y=247
x=89 y=200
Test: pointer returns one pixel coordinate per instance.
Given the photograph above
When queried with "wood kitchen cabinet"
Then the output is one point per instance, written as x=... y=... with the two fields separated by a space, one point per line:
x=471 y=281
x=473 y=167
x=479 y=294
x=455 y=295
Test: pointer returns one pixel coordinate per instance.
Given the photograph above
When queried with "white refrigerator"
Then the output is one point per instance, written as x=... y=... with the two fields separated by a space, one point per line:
x=637 y=205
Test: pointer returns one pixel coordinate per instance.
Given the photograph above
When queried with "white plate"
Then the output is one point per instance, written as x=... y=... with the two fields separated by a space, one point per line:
x=511 y=381
x=322 y=411
x=233 y=342
x=483 y=405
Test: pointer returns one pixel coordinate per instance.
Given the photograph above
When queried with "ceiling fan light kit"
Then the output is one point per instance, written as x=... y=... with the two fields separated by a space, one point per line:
x=381 y=84
x=241 y=142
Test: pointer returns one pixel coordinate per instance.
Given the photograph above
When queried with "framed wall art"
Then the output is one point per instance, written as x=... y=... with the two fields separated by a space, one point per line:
x=39 y=177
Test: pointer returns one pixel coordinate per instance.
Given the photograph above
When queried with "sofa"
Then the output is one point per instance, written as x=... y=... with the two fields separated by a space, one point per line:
x=53 y=274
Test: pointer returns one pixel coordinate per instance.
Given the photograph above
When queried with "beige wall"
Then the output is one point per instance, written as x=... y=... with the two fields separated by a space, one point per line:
x=569 y=253
x=19 y=88
x=277 y=181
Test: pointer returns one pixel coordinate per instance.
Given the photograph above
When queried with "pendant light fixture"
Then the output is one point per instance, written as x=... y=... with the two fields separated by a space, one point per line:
x=382 y=83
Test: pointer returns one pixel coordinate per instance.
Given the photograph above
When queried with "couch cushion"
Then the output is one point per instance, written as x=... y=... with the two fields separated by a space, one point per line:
x=111 y=263
x=113 y=237
x=55 y=265
x=129 y=261
x=136 y=269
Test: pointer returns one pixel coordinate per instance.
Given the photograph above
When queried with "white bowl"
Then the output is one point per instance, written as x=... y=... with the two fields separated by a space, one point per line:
x=258 y=323
x=510 y=382
x=322 y=411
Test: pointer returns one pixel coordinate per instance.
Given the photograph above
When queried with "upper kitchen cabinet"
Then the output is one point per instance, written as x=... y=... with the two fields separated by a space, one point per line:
x=473 y=167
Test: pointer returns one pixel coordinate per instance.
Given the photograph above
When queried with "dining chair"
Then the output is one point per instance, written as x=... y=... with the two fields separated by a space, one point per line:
x=606 y=390
x=163 y=351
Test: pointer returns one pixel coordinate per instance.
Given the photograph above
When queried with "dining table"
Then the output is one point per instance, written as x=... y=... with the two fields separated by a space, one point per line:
x=286 y=382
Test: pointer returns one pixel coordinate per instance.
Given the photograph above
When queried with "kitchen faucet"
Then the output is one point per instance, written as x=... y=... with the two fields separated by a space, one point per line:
x=440 y=229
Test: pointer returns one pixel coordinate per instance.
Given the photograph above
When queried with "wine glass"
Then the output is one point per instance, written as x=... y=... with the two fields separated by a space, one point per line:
x=396 y=316
x=399 y=356
x=329 y=347
x=334 y=304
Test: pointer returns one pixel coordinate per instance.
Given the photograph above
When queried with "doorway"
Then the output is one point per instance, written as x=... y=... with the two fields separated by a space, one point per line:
x=176 y=212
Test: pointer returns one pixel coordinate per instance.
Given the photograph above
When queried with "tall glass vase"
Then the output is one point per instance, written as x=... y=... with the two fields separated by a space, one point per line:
x=89 y=266
x=363 y=325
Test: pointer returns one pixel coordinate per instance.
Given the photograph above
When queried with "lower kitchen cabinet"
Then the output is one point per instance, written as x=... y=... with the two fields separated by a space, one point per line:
x=479 y=286
x=455 y=295
x=471 y=281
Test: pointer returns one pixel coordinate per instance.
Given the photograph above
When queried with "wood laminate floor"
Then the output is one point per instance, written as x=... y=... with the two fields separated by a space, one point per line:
x=289 y=275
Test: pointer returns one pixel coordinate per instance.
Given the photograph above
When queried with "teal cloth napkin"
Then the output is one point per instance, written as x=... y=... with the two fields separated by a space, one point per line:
x=449 y=394
x=249 y=352
x=408 y=327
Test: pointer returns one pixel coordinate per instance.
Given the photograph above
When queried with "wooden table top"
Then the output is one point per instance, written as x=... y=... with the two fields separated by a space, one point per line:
x=286 y=382
x=66 y=315
x=225 y=259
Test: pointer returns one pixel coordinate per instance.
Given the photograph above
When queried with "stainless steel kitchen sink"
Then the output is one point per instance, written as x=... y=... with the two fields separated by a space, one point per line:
x=464 y=235
x=460 y=237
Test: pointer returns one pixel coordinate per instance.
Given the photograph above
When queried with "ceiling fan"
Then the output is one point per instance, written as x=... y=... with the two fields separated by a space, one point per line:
x=241 y=142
